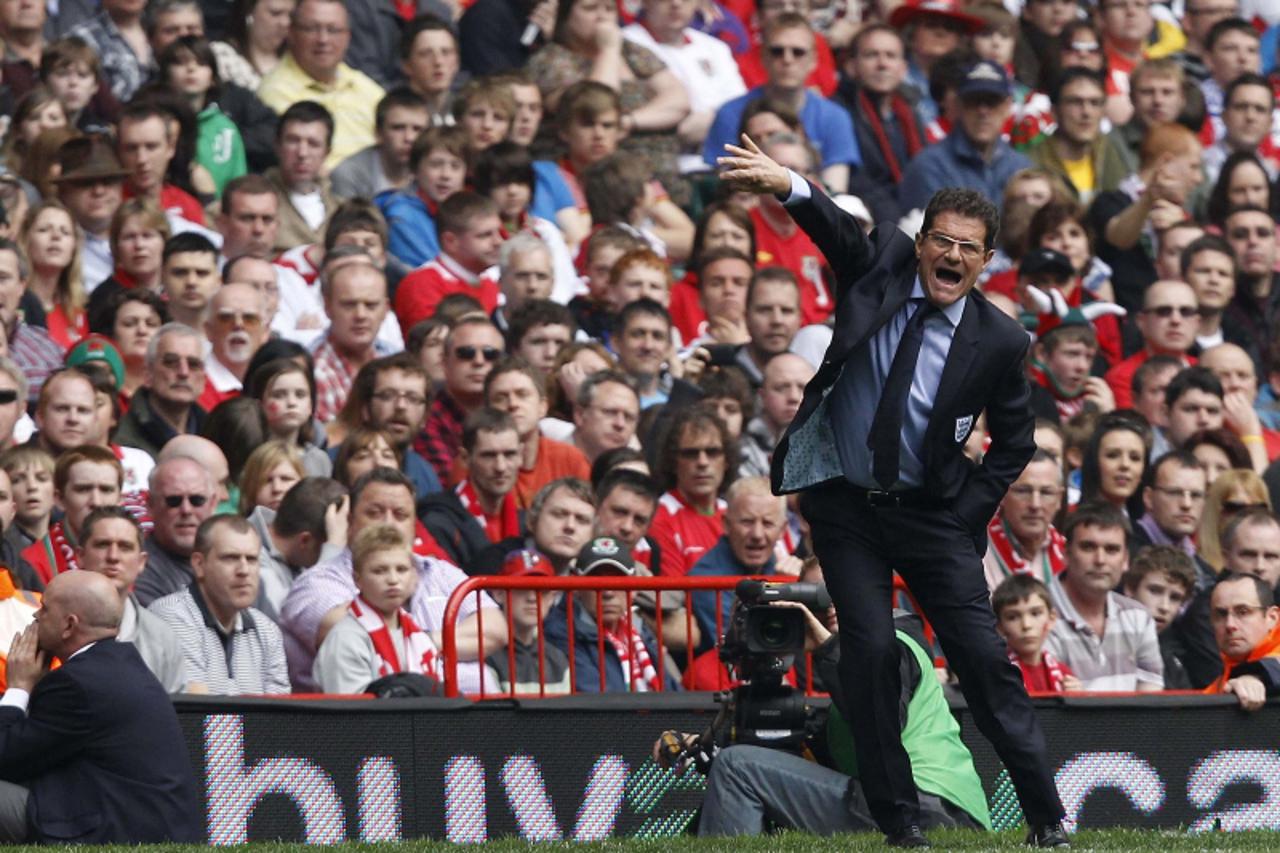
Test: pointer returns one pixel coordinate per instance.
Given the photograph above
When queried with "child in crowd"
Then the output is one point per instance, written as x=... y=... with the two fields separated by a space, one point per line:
x=527 y=614
x=288 y=394
x=188 y=67
x=1077 y=430
x=1024 y=617
x=504 y=172
x=70 y=67
x=439 y=165
x=377 y=637
x=30 y=469
x=1162 y=578
x=600 y=252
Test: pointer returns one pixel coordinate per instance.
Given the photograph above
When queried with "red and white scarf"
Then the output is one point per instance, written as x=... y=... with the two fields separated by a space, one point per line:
x=419 y=649
x=497 y=527
x=1048 y=663
x=62 y=554
x=1053 y=557
x=637 y=666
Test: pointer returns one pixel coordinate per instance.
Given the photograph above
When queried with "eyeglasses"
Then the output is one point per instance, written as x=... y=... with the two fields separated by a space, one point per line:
x=173 y=362
x=969 y=250
x=390 y=395
x=231 y=319
x=778 y=51
x=1237 y=506
x=8 y=395
x=175 y=501
x=1240 y=612
x=318 y=29
x=1194 y=495
x=1164 y=312
x=468 y=353
x=692 y=454
x=1026 y=493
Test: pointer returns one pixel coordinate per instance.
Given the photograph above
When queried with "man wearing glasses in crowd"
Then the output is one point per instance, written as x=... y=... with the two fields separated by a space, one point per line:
x=235 y=329
x=165 y=405
x=1246 y=626
x=180 y=498
x=473 y=346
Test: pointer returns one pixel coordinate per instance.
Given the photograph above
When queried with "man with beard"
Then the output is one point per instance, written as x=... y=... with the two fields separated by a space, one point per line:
x=390 y=394
x=235 y=328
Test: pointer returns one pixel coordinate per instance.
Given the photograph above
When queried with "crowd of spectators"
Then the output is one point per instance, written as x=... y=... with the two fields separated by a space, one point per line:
x=310 y=309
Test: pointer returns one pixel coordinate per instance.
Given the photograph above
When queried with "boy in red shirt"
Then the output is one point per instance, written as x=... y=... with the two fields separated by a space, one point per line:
x=1024 y=616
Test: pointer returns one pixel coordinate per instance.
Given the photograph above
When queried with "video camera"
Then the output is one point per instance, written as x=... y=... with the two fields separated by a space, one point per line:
x=760 y=646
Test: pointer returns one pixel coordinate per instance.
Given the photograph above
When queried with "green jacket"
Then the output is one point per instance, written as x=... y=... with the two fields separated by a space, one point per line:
x=1109 y=166
x=219 y=146
x=940 y=762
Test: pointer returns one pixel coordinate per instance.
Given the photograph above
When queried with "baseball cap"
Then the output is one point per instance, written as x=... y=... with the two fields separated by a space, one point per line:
x=1046 y=260
x=985 y=78
x=98 y=348
x=601 y=554
x=526 y=563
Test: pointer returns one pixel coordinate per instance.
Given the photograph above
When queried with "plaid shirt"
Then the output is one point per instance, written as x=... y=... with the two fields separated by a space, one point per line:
x=124 y=71
x=442 y=435
x=334 y=376
x=36 y=354
x=1126 y=654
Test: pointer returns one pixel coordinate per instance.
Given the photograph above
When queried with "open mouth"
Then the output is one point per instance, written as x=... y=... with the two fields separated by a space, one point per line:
x=947 y=275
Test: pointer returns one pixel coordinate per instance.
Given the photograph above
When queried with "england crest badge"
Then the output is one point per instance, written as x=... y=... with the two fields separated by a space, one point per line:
x=963 y=425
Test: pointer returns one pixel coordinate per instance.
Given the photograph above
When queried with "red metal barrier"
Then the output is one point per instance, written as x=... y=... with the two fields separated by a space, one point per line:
x=629 y=585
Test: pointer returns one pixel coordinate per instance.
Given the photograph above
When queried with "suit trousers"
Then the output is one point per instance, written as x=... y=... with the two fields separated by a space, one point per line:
x=14 y=828
x=860 y=547
x=752 y=788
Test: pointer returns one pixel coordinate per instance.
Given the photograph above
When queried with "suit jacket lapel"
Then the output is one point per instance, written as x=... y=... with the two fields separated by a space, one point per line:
x=863 y=318
x=964 y=346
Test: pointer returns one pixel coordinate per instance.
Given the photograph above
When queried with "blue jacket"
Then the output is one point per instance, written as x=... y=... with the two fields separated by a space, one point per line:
x=551 y=194
x=953 y=162
x=586 y=649
x=411 y=229
x=719 y=562
x=423 y=476
x=827 y=125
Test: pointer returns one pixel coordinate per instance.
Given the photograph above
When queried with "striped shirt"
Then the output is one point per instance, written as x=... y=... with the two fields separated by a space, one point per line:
x=330 y=584
x=37 y=354
x=247 y=661
x=1126 y=655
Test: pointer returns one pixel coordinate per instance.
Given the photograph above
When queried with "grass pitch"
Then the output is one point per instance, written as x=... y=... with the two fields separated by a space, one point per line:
x=1167 y=841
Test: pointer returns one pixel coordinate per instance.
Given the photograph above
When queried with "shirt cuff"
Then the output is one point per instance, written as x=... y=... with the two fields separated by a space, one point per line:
x=15 y=697
x=799 y=190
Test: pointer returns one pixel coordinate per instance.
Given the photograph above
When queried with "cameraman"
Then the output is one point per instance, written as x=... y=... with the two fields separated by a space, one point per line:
x=750 y=788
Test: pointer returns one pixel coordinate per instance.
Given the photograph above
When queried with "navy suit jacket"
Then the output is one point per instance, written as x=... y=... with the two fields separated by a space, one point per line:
x=102 y=754
x=985 y=370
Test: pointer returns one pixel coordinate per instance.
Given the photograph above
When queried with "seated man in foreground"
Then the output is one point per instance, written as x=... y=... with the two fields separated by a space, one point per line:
x=90 y=752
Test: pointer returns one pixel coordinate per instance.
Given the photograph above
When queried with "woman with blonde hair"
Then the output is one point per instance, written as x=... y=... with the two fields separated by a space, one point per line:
x=269 y=472
x=53 y=244
x=1235 y=491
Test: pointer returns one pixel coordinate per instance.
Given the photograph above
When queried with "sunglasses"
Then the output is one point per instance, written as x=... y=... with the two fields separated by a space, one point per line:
x=779 y=51
x=468 y=353
x=1164 y=312
x=692 y=454
x=175 y=501
x=229 y=320
x=8 y=395
x=1236 y=506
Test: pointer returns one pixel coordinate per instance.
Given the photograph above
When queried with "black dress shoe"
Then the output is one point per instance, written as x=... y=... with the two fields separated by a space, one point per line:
x=909 y=836
x=1048 y=835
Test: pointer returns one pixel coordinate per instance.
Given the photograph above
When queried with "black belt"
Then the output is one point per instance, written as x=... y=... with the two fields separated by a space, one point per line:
x=909 y=498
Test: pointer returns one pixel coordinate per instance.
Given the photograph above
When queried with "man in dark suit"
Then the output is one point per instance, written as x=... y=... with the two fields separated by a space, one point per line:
x=90 y=752
x=876 y=450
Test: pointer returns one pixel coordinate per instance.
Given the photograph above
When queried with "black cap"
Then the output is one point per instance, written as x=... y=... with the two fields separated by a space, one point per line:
x=1046 y=260
x=604 y=552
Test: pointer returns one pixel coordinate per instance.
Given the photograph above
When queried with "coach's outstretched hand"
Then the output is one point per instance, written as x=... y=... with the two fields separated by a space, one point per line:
x=750 y=170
